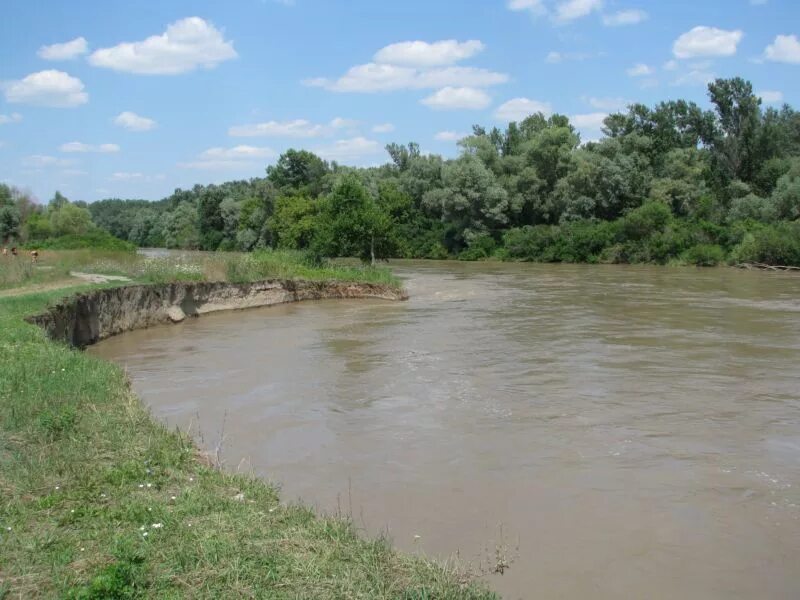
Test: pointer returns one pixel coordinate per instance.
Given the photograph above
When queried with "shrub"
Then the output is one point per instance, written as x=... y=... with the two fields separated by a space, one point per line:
x=704 y=255
x=772 y=245
x=646 y=220
x=97 y=239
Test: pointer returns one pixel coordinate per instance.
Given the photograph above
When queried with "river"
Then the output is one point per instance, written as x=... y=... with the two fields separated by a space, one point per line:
x=616 y=432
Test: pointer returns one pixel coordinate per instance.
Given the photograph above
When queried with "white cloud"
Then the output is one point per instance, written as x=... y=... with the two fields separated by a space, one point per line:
x=424 y=54
x=66 y=51
x=458 y=98
x=625 y=17
x=449 y=136
x=342 y=123
x=608 y=104
x=373 y=77
x=555 y=57
x=133 y=122
x=81 y=147
x=536 y=7
x=770 y=97
x=128 y=176
x=40 y=160
x=671 y=65
x=707 y=41
x=383 y=128
x=520 y=108
x=238 y=157
x=299 y=128
x=185 y=45
x=350 y=150
x=700 y=76
x=639 y=70
x=47 y=88
x=569 y=10
x=12 y=118
x=785 y=49
x=591 y=121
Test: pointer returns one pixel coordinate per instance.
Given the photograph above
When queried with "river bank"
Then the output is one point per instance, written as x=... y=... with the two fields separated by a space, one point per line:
x=101 y=501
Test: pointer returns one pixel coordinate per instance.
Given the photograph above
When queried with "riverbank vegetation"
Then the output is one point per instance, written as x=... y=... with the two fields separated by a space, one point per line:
x=236 y=267
x=99 y=501
x=673 y=183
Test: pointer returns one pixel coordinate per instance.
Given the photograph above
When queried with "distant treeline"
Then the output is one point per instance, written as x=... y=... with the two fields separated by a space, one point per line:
x=671 y=183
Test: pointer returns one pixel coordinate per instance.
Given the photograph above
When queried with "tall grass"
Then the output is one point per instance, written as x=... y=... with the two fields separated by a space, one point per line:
x=186 y=266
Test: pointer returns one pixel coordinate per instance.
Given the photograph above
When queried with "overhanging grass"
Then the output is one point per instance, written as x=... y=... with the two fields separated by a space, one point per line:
x=99 y=501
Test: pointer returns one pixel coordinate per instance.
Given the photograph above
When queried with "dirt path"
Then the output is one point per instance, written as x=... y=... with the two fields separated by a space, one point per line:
x=76 y=277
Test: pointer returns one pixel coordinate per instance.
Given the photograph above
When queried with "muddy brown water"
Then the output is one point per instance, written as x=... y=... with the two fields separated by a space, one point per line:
x=619 y=432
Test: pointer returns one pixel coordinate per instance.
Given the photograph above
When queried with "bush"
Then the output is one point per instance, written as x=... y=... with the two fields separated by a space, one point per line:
x=752 y=207
x=480 y=246
x=96 y=239
x=533 y=243
x=704 y=255
x=646 y=220
x=771 y=245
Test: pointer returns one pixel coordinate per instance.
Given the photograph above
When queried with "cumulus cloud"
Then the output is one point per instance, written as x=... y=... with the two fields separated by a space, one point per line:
x=458 y=98
x=85 y=148
x=186 y=45
x=383 y=128
x=625 y=17
x=12 y=118
x=569 y=10
x=350 y=150
x=133 y=122
x=555 y=57
x=639 y=70
x=535 y=7
x=66 y=51
x=449 y=136
x=238 y=157
x=591 y=121
x=298 y=128
x=424 y=54
x=374 y=77
x=770 y=97
x=707 y=41
x=47 y=88
x=785 y=49
x=520 y=108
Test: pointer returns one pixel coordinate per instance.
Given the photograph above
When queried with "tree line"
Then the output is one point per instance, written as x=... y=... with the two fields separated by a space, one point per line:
x=672 y=182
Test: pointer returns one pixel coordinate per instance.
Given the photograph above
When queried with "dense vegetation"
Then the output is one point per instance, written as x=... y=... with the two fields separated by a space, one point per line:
x=669 y=183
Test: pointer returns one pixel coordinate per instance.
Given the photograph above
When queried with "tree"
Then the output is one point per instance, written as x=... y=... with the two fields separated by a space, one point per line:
x=69 y=219
x=9 y=223
x=350 y=223
x=299 y=170
x=293 y=222
x=181 y=228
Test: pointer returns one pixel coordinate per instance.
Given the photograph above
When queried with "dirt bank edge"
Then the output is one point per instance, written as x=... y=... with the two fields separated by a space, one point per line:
x=86 y=318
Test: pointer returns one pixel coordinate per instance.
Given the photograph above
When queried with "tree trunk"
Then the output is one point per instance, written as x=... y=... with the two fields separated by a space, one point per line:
x=372 y=250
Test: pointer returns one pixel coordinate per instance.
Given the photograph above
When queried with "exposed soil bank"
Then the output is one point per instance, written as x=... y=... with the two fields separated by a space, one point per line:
x=86 y=318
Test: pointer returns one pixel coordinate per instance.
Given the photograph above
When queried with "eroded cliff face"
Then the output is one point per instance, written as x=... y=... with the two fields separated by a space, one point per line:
x=86 y=318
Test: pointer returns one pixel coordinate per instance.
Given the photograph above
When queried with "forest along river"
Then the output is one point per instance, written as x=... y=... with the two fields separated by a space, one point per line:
x=623 y=432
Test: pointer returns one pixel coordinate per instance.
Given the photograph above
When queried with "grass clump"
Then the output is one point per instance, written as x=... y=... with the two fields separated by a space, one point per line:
x=99 y=501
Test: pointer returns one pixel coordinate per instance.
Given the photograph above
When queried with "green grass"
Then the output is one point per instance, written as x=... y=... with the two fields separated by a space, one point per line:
x=99 y=501
x=185 y=266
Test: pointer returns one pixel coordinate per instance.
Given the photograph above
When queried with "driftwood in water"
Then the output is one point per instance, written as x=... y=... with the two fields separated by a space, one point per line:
x=764 y=267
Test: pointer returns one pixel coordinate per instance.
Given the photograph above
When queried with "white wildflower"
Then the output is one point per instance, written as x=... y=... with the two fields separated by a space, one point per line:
x=157 y=525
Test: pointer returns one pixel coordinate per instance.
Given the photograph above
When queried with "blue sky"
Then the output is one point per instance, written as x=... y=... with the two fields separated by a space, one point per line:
x=104 y=98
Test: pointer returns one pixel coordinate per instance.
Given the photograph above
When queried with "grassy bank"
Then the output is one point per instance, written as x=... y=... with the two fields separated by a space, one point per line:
x=99 y=501
x=238 y=267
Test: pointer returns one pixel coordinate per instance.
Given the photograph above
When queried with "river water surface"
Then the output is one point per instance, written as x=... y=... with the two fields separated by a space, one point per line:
x=619 y=432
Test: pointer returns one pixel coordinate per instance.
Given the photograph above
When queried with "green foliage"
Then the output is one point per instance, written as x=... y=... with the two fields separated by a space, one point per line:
x=351 y=223
x=704 y=255
x=96 y=239
x=772 y=244
x=293 y=222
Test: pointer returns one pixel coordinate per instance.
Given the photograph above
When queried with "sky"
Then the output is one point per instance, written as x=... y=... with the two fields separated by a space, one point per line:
x=123 y=99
